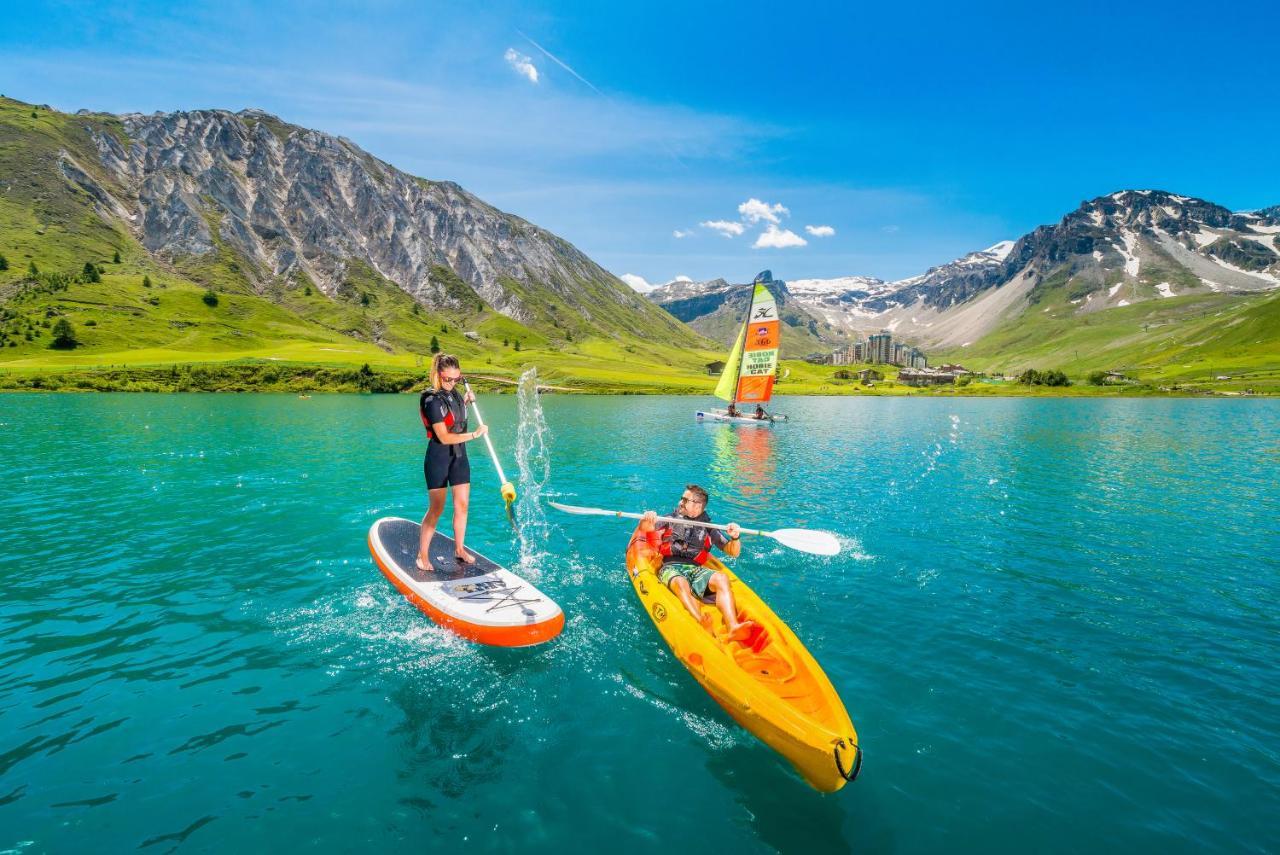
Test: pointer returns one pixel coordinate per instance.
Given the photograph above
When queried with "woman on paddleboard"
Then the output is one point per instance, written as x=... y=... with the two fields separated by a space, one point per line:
x=444 y=415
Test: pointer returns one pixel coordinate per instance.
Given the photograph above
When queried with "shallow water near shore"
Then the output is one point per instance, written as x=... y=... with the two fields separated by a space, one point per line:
x=1054 y=626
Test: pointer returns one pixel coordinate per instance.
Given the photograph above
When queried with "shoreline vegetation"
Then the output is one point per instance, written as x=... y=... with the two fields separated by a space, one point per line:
x=797 y=378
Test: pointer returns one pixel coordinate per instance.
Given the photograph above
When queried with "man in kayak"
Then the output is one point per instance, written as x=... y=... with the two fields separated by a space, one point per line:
x=685 y=550
x=760 y=413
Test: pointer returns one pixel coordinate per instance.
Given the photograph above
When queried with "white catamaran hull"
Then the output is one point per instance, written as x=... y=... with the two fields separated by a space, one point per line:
x=722 y=416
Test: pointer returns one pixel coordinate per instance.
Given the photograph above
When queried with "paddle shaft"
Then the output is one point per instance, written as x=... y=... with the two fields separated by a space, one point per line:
x=493 y=455
x=679 y=521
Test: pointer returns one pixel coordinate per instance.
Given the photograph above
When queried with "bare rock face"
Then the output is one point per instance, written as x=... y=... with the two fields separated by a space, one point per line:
x=290 y=200
x=1114 y=250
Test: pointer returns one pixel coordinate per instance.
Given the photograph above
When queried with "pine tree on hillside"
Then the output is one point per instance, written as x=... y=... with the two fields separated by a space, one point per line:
x=116 y=258
x=146 y=281
x=91 y=273
x=435 y=345
x=64 y=335
x=32 y=270
x=4 y=262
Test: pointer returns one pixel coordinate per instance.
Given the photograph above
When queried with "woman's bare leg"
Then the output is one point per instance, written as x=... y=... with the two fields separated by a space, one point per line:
x=461 y=502
x=435 y=507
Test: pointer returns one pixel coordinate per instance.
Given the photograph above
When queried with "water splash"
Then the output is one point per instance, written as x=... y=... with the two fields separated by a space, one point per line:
x=533 y=460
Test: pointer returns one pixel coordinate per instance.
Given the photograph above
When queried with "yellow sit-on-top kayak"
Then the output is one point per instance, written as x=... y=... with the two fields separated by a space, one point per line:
x=767 y=681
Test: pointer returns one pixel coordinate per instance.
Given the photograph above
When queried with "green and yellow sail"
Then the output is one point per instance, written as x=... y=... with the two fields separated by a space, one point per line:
x=748 y=376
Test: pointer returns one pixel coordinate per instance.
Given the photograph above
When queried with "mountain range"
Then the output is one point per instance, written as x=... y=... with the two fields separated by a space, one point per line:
x=297 y=225
x=208 y=235
x=1114 y=251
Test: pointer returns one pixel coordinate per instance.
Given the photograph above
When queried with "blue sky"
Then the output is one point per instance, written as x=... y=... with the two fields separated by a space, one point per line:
x=914 y=132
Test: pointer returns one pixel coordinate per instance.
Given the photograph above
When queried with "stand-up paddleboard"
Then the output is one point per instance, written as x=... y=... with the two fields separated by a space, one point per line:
x=484 y=602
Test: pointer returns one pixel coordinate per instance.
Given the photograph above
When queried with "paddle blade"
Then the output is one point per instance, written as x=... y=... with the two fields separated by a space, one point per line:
x=575 y=509
x=814 y=542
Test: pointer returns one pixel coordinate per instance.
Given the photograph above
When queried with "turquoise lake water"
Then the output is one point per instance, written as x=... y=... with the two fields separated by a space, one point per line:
x=1055 y=626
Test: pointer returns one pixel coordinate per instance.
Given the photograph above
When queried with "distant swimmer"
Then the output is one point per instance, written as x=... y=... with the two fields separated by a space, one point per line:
x=685 y=550
x=444 y=415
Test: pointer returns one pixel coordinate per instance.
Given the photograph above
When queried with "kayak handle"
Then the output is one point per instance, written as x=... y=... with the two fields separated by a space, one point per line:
x=857 y=762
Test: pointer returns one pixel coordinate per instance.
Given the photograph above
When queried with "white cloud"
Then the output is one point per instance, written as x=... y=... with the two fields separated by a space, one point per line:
x=889 y=229
x=637 y=282
x=682 y=234
x=522 y=64
x=753 y=211
x=776 y=238
x=820 y=231
x=724 y=227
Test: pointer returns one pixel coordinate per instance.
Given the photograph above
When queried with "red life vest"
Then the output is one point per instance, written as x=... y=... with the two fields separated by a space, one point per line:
x=664 y=546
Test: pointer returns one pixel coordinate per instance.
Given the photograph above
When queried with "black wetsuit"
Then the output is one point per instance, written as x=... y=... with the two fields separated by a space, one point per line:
x=444 y=465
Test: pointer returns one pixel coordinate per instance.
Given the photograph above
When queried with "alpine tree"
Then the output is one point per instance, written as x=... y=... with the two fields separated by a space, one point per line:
x=64 y=335
x=435 y=345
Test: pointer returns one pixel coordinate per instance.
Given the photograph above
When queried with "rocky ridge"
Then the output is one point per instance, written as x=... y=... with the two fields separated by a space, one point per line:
x=1111 y=251
x=293 y=203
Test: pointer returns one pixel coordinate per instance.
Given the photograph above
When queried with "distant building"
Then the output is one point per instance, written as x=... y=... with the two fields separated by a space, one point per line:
x=880 y=347
x=840 y=356
x=867 y=375
x=925 y=377
x=715 y=367
x=917 y=359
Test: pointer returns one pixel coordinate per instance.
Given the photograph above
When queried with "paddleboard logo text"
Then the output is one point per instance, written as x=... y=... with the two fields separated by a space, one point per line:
x=659 y=612
x=477 y=587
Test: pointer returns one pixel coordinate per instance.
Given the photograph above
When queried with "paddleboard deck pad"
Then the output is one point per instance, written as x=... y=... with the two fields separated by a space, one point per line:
x=484 y=602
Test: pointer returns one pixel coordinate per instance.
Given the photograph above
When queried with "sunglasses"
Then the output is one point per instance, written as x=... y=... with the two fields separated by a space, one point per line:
x=453 y=379
x=689 y=500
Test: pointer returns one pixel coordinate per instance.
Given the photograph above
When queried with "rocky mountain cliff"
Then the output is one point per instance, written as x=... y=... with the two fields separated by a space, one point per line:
x=717 y=309
x=1112 y=251
x=274 y=203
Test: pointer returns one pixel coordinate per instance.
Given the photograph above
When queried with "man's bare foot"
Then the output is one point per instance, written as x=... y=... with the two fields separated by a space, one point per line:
x=708 y=623
x=465 y=557
x=742 y=631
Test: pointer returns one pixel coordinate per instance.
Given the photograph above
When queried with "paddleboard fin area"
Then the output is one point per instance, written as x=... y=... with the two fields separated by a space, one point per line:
x=483 y=602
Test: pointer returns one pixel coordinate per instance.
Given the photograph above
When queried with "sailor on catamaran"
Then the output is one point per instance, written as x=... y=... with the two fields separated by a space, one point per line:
x=685 y=550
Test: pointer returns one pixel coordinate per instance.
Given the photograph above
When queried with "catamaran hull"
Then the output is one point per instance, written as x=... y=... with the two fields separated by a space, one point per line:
x=719 y=416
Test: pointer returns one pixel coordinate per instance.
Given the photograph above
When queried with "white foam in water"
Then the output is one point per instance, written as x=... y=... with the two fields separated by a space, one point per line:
x=715 y=734
x=533 y=461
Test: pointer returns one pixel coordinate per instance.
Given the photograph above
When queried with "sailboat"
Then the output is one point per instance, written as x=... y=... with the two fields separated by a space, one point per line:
x=748 y=376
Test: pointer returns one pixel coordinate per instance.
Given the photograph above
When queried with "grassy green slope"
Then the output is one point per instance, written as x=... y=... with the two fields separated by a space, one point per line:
x=1191 y=339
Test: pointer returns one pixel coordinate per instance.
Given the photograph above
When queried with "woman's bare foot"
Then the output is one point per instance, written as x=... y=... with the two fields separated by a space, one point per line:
x=422 y=563
x=465 y=557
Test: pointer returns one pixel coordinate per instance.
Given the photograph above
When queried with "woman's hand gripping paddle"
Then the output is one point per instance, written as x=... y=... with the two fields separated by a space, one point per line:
x=803 y=539
x=508 y=491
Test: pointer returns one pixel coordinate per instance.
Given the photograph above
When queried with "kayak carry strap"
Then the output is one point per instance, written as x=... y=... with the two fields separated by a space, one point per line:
x=852 y=773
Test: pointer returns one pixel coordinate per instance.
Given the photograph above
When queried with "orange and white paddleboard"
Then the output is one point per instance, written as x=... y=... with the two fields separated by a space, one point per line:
x=484 y=602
